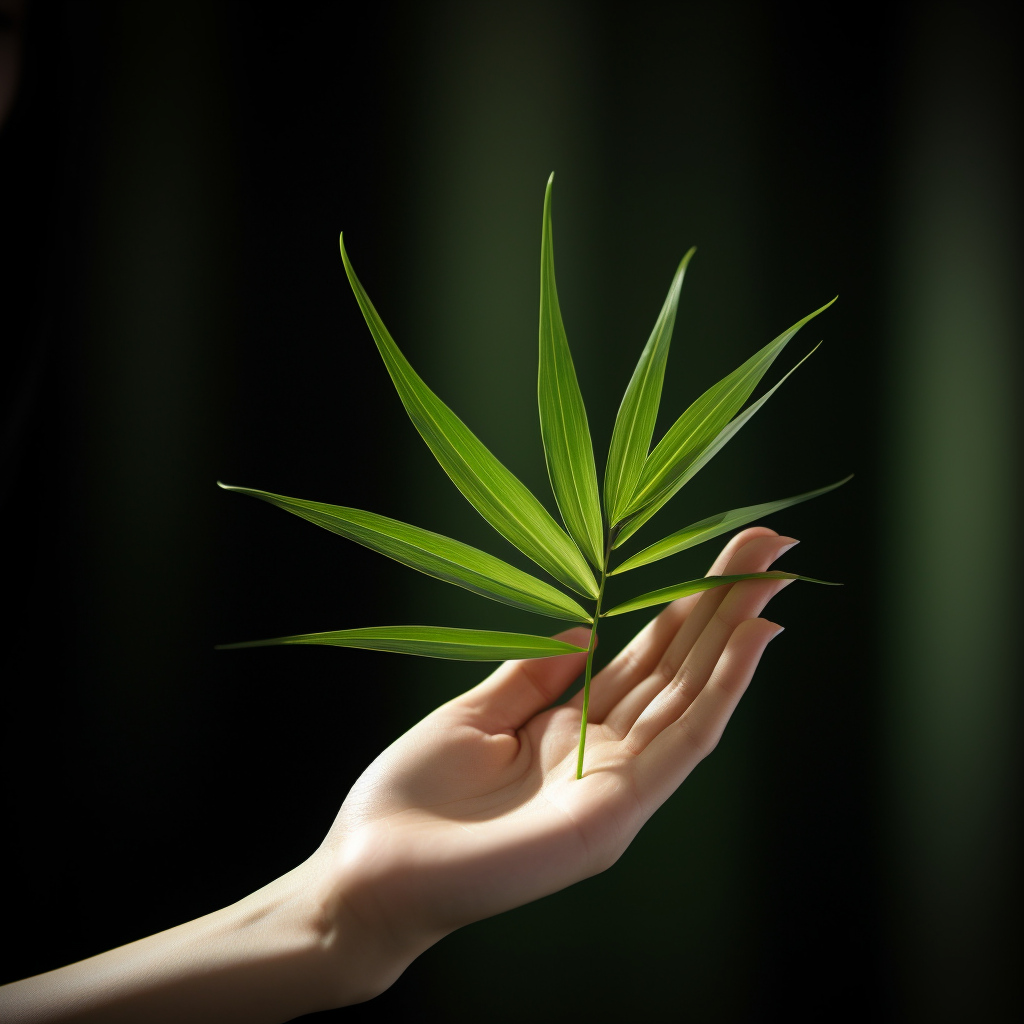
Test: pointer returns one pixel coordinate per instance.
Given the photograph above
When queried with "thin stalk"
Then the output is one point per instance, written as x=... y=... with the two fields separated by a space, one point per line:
x=590 y=658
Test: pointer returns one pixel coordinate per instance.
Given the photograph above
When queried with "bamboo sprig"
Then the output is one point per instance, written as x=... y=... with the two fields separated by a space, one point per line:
x=638 y=482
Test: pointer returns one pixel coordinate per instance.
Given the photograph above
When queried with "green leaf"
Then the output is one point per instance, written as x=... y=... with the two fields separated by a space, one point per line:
x=667 y=594
x=568 y=450
x=728 y=432
x=488 y=486
x=715 y=526
x=433 y=554
x=704 y=420
x=634 y=424
x=431 y=642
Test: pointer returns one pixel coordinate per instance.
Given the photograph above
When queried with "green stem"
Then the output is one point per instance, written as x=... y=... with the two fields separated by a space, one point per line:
x=590 y=660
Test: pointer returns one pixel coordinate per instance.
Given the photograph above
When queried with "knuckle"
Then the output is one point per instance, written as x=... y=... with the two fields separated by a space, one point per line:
x=632 y=744
x=698 y=740
x=665 y=671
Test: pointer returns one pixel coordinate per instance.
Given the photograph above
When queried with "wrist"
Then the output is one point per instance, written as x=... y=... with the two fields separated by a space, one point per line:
x=357 y=949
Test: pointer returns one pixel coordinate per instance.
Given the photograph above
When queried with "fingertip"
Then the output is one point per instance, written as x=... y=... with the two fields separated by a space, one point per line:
x=737 y=542
x=756 y=555
x=757 y=632
x=754 y=531
x=579 y=636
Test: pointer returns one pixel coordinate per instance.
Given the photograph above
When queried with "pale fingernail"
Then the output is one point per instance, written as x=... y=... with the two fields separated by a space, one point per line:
x=779 y=629
x=791 y=542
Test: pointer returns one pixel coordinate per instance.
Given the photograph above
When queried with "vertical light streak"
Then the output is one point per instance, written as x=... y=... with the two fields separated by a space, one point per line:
x=955 y=462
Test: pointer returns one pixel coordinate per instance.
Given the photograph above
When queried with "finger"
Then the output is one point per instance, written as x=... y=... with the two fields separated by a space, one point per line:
x=677 y=749
x=642 y=655
x=741 y=540
x=742 y=604
x=755 y=556
x=511 y=695
x=673 y=699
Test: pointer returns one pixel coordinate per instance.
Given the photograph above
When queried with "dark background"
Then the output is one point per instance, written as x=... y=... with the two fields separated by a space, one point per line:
x=174 y=312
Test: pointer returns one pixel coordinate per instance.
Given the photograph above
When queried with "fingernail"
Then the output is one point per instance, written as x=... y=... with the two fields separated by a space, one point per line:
x=780 y=629
x=791 y=542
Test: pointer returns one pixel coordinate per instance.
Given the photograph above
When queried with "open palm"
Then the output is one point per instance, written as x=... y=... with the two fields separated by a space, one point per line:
x=477 y=808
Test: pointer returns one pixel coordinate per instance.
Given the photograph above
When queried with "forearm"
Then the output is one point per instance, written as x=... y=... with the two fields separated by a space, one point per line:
x=275 y=955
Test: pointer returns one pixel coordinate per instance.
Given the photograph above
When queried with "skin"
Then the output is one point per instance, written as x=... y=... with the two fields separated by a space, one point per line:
x=474 y=811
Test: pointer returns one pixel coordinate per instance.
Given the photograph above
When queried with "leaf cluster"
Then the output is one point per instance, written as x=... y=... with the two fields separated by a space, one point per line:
x=595 y=520
x=637 y=483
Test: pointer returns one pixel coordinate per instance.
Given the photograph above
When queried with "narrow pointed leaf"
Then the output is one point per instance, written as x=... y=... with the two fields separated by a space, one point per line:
x=497 y=494
x=667 y=594
x=728 y=432
x=431 y=642
x=638 y=413
x=568 y=450
x=715 y=526
x=687 y=438
x=433 y=554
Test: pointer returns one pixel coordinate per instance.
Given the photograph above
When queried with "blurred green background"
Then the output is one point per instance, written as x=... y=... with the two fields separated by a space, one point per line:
x=175 y=177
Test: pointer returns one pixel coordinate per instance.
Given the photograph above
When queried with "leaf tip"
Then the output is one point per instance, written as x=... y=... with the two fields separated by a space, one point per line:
x=551 y=179
x=344 y=252
x=824 y=583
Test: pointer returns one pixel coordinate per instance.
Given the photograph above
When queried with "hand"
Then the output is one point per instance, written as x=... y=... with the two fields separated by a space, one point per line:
x=477 y=808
